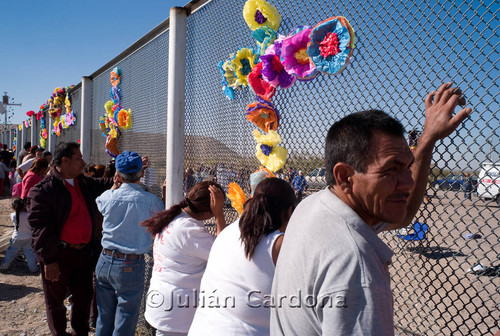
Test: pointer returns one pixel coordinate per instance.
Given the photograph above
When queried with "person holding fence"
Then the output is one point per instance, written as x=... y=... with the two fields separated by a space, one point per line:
x=121 y=267
x=241 y=265
x=181 y=247
x=332 y=275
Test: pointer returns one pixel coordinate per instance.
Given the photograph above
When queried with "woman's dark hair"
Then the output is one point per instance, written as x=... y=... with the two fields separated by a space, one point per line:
x=99 y=170
x=18 y=206
x=198 y=201
x=39 y=166
x=110 y=169
x=263 y=213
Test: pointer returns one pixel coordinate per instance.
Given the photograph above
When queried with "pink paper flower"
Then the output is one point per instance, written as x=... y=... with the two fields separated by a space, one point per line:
x=294 y=55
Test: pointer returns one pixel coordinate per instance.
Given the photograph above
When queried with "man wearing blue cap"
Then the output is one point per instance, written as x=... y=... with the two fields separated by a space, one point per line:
x=120 y=269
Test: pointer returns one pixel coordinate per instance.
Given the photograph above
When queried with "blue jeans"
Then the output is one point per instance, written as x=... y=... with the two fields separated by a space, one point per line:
x=15 y=246
x=119 y=288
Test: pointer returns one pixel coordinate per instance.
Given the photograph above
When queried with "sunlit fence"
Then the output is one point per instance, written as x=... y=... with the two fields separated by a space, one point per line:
x=403 y=51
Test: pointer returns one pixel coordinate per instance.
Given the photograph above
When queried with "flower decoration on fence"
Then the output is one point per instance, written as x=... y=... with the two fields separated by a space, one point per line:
x=277 y=62
x=59 y=101
x=116 y=119
x=237 y=197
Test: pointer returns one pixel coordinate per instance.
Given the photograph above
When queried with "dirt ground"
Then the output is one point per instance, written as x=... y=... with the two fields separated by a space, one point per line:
x=433 y=293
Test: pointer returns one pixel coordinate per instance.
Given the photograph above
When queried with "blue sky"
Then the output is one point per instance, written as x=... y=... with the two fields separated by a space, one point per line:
x=46 y=44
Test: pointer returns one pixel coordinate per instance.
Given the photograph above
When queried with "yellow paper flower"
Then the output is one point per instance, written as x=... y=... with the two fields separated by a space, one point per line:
x=242 y=64
x=269 y=154
x=109 y=107
x=113 y=133
x=231 y=79
x=125 y=119
x=258 y=13
x=20 y=127
x=237 y=196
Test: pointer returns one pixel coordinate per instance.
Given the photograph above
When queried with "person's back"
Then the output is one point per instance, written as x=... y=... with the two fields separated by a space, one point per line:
x=242 y=287
x=123 y=209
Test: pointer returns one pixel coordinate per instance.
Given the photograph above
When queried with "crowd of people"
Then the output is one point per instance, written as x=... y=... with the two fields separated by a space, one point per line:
x=282 y=268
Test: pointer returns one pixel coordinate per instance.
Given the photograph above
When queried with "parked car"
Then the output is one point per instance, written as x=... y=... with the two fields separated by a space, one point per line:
x=489 y=182
x=316 y=179
x=453 y=182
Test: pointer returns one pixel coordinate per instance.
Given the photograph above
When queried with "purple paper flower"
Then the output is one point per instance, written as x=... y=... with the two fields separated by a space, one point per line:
x=274 y=72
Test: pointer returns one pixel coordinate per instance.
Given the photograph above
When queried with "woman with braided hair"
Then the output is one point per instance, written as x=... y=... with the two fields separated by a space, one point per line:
x=181 y=248
x=240 y=270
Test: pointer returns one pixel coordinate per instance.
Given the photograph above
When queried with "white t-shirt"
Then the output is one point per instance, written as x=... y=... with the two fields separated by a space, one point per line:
x=24 y=231
x=235 y=292
x=180 y=256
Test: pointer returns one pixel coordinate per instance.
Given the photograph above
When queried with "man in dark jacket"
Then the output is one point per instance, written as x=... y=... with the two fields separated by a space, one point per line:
x=66 y=237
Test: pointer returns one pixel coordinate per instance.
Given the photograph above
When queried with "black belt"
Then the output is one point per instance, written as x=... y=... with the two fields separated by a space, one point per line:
x=64 y=244
x=122 y=255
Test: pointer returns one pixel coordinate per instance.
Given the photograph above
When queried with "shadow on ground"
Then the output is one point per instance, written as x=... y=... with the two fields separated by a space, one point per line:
x=435 y=252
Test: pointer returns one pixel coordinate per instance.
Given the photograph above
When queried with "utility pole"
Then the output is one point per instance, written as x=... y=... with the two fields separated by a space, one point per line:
x=3 y=109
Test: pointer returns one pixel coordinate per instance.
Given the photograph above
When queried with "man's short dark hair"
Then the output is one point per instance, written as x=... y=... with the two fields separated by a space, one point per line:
x=349 y=139
x=64 y=149
x=27 y=145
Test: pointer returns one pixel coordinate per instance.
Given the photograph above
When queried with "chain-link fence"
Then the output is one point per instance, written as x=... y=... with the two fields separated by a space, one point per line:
x=403 y=51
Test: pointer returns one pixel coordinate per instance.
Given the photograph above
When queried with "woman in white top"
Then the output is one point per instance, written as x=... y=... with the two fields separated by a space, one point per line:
x=235 y=293
x=181 y=247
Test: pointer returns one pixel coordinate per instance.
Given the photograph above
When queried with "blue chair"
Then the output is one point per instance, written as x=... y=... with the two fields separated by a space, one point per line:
x=418 y=234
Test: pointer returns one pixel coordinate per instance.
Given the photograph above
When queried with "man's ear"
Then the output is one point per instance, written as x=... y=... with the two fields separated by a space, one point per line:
x=342 y=173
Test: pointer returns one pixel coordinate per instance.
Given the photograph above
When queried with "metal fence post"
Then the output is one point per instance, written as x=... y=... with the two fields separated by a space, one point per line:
x=86 y=117
x=34 y=141
x=176 y=105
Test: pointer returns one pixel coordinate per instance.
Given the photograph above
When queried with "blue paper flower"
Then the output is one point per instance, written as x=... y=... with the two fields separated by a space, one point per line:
x=332 y=44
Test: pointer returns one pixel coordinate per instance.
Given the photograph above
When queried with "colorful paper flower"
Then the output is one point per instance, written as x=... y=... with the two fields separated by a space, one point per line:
x=331 y=45
x=44 y=134
x=30 y=113
x=260 y=85
x=113 y=133
x=242 y=64
x=265 y=36
x=115 y=76
x=258 y=13
x=43 y=142
x=112 y=147
x=294 y=55
x=125 y=119
x=263 y=114
x=274 y=72
x=70 y=118
x=26 y=124
x=109 y=107
x=20 y=127
x=103 y=126
x=237 y=196
x=39 y=115
x=269 y=154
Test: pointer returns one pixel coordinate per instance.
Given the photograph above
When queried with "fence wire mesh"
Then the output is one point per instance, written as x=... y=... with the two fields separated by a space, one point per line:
x=404 y=49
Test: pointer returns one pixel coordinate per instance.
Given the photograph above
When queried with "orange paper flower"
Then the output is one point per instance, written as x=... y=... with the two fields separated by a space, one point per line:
x=237 y=196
